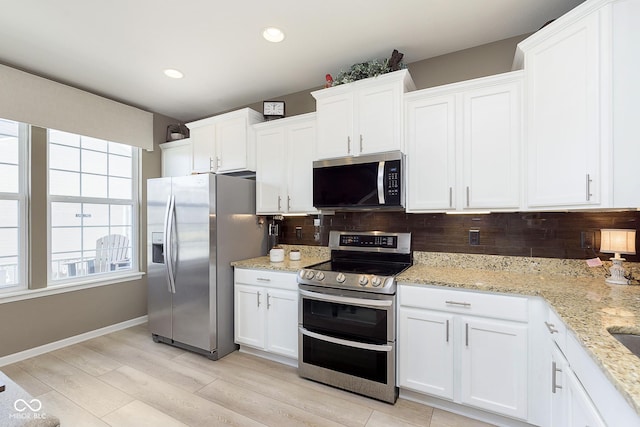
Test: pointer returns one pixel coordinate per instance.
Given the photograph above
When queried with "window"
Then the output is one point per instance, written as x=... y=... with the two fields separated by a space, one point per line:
x=92 y=206
x=14 y=139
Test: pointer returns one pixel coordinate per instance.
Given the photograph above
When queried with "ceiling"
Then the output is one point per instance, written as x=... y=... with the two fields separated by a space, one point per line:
x=119 y=48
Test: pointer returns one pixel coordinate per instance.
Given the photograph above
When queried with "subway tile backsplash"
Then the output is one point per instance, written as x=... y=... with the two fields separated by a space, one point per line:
x=536 y=234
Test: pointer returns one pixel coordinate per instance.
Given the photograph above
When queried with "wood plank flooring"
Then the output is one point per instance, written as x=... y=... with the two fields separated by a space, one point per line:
x=125 y=379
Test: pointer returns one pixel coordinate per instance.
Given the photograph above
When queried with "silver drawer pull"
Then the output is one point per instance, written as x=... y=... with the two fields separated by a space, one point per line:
x=262 y=279
x=551 y=328
x=464 y=304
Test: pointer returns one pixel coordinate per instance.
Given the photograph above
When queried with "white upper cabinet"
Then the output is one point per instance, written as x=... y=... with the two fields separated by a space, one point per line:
x=285 y=165
x=581 y=92
x=362 y=117
x=224 y=143
x=176 y=157
x=463 y=145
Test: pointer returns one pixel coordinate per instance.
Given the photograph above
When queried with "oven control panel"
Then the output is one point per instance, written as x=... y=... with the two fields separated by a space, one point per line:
x=365 y=282
x=370 y=241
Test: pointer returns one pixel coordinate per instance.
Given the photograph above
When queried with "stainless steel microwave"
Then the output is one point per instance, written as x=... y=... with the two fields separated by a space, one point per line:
x=364 y=182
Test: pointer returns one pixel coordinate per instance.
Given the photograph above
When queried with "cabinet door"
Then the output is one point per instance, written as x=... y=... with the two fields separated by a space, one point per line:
x=249 y=315
x=231 y=144
x=378 y=121
x=425 y=352
x=203 y=145
x=494 y=366
x=176 y=159
x=581 y=410
x=301 y=141
x=282 y=322
x=562 y=78
x=491 y=147
x=271 y=170
x=335 y=126
x=559 y=401
x=431 y=154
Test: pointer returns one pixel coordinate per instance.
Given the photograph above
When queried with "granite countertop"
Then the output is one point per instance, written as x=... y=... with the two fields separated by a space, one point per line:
x=309 y=255
x=587 y=305
x=579 y=295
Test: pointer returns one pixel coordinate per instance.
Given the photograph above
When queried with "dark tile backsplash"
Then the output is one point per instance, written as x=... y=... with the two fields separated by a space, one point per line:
x=537 y=234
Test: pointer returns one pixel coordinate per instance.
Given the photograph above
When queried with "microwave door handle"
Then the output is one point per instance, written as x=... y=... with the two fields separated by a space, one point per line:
x=381 y=182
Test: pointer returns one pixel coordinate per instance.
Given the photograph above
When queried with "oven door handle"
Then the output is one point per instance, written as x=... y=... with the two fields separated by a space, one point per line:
x=347 y=343
x=347 y=300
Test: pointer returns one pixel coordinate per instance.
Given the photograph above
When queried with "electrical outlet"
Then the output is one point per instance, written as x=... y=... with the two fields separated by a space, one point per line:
x=474 y=237
x=587 y=239
x=299 y=233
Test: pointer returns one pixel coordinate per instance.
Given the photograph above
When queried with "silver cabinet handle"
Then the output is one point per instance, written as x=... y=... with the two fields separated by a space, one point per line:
x=554 y=377
x=464 y=304
x=348 y=145
x=467 y=196
x=268 y=300
x=551 y=328
x=589 y=187
x=218 y=161
x=450 y=197
x=447 y=330
x=288 y=203
x=258 y=298
x=262 y=279
x=210 y=164
x=279 y=202
x=361 y=143
x=466 y=334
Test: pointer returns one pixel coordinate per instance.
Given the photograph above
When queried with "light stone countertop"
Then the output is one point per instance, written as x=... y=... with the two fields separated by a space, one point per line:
x=309 y=255
x=578 y=294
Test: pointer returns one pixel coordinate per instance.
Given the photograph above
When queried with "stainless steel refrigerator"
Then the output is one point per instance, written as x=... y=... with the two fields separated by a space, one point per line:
x=197 y=225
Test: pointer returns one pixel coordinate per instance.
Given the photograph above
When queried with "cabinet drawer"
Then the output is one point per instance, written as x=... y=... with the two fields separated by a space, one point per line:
x=272 y=279
x=466 y=302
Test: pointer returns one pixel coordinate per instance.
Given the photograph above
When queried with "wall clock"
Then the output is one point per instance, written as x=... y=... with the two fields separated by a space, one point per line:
x=273 y=109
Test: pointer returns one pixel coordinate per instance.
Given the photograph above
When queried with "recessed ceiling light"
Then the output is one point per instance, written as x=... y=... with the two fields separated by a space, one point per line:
x=273 y=34
x=174 y=74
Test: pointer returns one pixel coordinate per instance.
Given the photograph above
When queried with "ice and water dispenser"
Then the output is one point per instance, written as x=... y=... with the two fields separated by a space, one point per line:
x=157 y=246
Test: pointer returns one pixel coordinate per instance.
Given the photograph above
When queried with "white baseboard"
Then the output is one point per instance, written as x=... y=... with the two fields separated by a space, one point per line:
x=36 y=351
x=466 y=411
x=270 y=356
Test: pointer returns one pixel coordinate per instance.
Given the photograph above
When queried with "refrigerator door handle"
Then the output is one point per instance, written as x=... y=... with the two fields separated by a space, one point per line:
x=168 y=252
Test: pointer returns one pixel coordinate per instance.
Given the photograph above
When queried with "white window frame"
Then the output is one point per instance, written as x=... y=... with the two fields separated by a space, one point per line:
x=24 y=141
x=107 y=277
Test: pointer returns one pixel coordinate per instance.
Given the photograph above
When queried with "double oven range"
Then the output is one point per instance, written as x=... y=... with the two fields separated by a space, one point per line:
x=347 y=313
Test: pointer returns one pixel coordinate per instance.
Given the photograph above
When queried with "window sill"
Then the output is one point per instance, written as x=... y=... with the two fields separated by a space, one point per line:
x=23 y=294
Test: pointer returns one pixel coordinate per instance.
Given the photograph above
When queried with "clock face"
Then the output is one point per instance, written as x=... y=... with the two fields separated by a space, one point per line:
x=273 y=108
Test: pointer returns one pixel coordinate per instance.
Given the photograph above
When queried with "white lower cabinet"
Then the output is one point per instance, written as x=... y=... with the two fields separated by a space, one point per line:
x=493 y=371
x=571 y=405
x=472 y=360
x=426 y=352
x=266 y=311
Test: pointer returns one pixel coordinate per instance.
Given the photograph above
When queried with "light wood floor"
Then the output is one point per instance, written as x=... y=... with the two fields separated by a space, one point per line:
x=125 y=379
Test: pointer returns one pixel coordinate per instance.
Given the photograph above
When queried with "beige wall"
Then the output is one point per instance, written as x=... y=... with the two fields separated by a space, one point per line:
x=479 y=61
x=35 y=322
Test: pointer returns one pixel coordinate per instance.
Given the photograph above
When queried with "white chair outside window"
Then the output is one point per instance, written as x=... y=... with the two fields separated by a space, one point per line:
x=111 y=254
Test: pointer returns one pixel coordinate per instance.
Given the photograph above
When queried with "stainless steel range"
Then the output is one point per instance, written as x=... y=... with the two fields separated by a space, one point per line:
x=347 y=329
